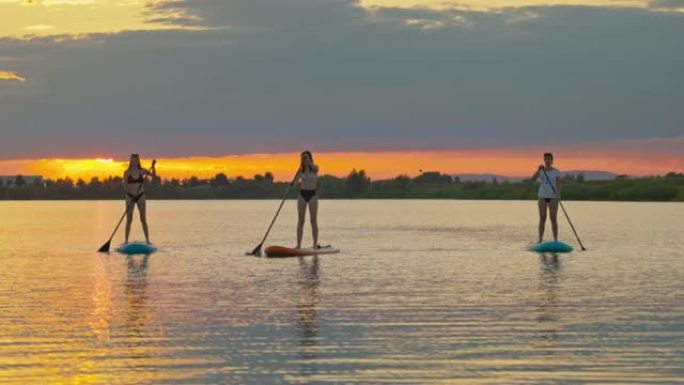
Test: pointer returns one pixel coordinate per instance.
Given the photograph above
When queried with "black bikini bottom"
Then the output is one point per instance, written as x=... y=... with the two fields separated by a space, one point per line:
x=136 y=198
x=307 y=194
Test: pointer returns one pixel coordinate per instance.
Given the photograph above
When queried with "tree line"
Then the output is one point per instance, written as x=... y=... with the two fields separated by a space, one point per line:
x=356 y=185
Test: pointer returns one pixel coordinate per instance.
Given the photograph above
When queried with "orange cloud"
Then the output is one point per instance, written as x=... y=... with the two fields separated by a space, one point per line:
x=77 y=18
x=11 y=76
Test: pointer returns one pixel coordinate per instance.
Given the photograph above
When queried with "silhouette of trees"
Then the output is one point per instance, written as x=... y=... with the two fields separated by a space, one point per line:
x=357 y=184
x=19 y=181
x=219 y=180
x=433 y=177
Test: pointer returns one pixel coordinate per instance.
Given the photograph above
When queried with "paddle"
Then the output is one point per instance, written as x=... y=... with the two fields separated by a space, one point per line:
x=257 y=249
x=105 y=247
x=563 y=208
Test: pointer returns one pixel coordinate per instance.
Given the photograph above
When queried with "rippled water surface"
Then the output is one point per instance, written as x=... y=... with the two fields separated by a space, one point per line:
x=423 y=292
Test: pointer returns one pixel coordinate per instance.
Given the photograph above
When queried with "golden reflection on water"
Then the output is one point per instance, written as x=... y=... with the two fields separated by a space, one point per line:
x=436 y=295
x=102 y=303
x=135 y=285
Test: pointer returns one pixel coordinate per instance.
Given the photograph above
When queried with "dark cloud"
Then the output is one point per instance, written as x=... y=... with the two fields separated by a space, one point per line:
x=273 y=75
x=667 y=4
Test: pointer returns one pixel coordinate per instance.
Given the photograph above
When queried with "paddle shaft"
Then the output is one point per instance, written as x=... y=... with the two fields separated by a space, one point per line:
x=130 y=204
x=282 y=202
x=563 y=208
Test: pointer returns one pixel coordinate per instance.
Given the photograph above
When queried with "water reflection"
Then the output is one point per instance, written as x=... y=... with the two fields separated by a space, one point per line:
x=549 y=280
x=101 y=314
x=308 y=281
x=135 y=288
x=191 y=314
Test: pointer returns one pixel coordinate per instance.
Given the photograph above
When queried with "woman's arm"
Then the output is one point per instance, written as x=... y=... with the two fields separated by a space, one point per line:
x=145 y=172
x=558 y=185
x=535 y=176
x=298 y=178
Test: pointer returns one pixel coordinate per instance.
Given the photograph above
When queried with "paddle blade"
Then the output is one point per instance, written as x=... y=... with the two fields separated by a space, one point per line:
x=257 y=251
x=105 y=247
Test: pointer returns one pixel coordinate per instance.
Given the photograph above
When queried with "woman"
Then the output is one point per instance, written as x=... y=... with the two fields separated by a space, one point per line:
x=133 y=180
x=308 y=178
x=548 y=195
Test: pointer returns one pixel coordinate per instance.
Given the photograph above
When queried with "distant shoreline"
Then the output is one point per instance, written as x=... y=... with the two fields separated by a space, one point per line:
x=293 y=198
x=357 y=185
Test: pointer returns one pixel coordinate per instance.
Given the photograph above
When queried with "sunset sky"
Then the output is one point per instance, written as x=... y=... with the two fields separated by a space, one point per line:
x=635 y=158
x=391 y=86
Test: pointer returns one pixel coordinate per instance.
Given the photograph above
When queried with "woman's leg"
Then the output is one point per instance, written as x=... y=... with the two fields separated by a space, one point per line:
x=313 y=210
x=553 y=211
x=129 y=216
x=142 y=208
x=542 y=218
x=301 y=212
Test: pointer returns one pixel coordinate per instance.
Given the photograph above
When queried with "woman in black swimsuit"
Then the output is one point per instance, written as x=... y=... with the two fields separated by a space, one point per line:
x=308 y=178
x=134 y=188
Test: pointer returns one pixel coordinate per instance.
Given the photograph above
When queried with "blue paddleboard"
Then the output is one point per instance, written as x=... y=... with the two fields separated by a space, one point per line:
x=136 y=248
x=551 y=247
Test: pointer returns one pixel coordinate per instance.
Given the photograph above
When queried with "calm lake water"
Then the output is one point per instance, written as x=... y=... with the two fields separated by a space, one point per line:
x=424 y=292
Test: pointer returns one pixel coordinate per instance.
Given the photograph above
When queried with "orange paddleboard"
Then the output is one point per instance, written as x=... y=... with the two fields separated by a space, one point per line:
x=282 y=251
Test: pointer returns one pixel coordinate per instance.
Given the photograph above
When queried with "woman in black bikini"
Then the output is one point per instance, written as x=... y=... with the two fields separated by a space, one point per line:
x=135 y=193
x=308 y=177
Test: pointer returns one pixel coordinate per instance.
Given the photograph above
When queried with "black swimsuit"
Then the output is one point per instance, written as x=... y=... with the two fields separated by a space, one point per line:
x=307 y=194
x=139 y=179
x=135 y=198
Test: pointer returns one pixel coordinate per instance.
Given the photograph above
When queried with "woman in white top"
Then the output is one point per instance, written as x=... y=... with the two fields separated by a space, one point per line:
x=308 y=178
x=548 y=195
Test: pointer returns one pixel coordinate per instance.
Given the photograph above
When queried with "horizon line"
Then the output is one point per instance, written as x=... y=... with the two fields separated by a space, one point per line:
x=643 y=157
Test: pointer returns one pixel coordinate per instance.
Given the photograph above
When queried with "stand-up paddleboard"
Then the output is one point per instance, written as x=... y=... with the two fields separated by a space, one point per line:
x=551 y=247
x=282 y=251
x=136 y=248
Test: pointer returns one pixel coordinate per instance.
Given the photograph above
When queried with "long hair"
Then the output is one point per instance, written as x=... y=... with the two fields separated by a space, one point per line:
x=130 y=162
x=301 y=165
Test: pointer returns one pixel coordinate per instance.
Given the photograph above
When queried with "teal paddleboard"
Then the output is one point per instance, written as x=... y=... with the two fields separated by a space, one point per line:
x=551 y=247
x=136 y=248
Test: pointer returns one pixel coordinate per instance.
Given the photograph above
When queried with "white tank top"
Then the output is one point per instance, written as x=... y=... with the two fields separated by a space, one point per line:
x=545 y=189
